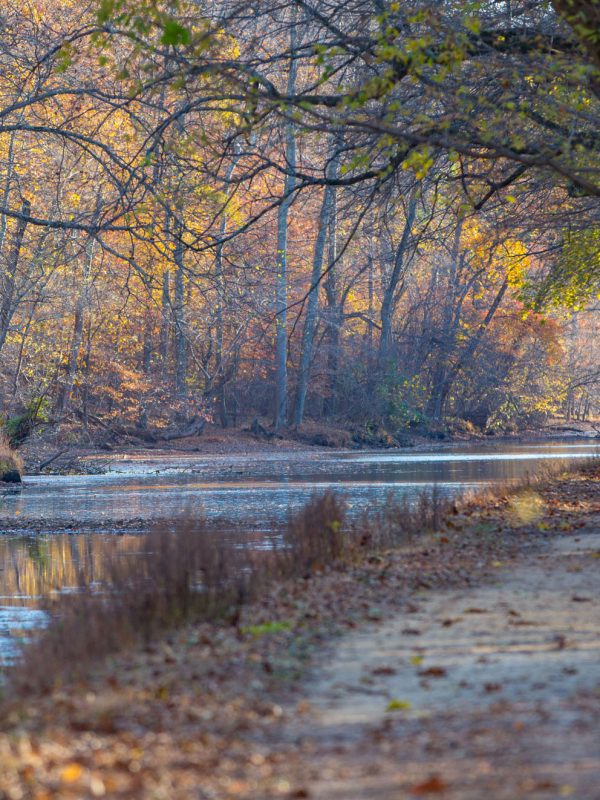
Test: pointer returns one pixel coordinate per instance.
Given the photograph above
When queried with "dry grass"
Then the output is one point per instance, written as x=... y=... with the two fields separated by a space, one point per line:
x=183 y=574
x=397 y=523
x=187 y=573
x=9 y=458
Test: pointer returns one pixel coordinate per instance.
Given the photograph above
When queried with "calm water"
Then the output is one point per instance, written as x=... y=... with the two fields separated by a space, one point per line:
x=257 y=491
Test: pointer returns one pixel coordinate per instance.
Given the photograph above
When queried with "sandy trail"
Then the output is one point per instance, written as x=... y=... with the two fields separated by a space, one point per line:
x=488 y=692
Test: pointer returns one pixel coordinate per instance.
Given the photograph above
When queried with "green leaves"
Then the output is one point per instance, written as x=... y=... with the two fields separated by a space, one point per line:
x=145 y=19
x=575 y=276
x=174 y=33
x=398 y=705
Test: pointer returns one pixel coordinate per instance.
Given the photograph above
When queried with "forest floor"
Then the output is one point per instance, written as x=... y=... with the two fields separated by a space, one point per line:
x=462 y=665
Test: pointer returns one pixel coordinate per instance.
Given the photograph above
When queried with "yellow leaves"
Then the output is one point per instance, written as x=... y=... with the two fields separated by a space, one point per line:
x=162 y=692
x=71 y=773
x=508 y=259
x=420 y=161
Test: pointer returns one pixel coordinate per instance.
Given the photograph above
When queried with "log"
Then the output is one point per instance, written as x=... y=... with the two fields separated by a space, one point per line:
x=49 y=461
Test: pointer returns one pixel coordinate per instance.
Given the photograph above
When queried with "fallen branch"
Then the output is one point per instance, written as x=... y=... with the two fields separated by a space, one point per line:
x=49 y=461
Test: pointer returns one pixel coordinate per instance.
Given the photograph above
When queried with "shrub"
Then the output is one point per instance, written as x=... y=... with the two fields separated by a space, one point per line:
x=20 y=427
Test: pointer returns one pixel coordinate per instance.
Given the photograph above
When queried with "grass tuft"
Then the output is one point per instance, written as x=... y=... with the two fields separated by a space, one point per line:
x=9 y=458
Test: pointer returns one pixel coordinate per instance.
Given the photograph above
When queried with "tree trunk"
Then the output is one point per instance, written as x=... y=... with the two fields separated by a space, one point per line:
x=390 y=298
x=221 y=303
x=471 y=347
x=9 y=279
x=447 y=336
x=10 y=162
x=179 y=317
x=281 y=299
x=310 y=322
x=77 y=338
x=334 y=316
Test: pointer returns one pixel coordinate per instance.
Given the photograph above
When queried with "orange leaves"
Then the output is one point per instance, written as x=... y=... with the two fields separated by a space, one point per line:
x=71 y=773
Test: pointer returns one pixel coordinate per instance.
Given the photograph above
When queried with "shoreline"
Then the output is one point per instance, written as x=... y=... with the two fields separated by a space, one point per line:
x=217 y=444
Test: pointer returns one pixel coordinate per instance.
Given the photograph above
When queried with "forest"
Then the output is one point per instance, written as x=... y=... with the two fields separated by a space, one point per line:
x=379 y=215
x=299 y=399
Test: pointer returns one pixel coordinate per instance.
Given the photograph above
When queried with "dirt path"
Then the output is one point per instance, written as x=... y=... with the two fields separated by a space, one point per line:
x=492 y=691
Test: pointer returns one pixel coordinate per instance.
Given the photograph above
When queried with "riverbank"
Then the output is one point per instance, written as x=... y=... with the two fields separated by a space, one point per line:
x=64 y=452
x=251 y=710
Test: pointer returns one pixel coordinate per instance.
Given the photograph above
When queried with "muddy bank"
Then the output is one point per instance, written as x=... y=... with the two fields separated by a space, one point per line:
x=255 y=711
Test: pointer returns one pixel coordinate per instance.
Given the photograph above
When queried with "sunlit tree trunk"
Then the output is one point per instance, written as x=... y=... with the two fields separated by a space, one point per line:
x=10 y=162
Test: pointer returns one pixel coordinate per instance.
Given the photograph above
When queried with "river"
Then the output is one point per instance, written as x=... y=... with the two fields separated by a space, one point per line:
x=54 y=526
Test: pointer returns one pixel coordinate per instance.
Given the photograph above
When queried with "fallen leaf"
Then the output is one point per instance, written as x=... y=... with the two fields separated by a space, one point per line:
x=398 y=705
x=433 y=672
x=433 y=785
x=383 y=671
x=492 y=687
x=71 y=772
